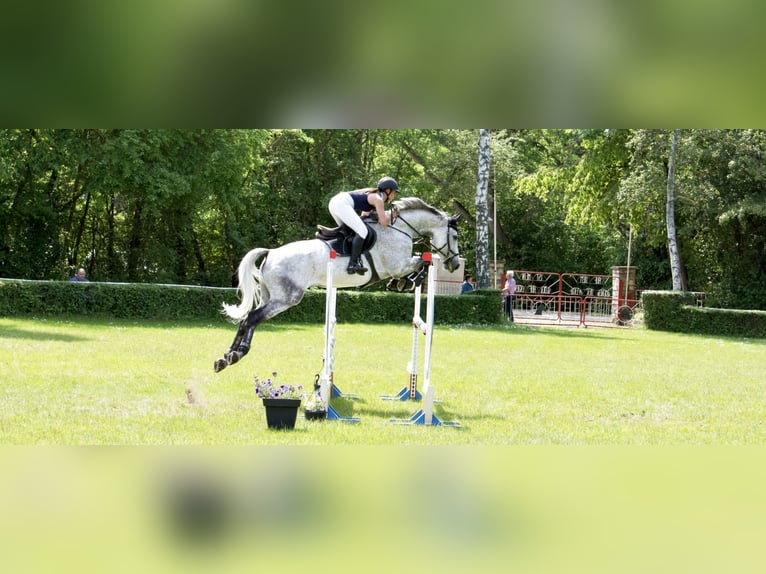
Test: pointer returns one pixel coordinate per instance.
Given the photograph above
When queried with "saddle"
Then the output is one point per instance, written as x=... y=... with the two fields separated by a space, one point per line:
x=339 y=238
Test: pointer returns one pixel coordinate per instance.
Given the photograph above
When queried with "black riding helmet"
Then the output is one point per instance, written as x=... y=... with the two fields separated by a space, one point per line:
x=388 y=183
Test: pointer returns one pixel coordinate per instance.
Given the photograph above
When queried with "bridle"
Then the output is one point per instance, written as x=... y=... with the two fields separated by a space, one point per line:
x=445 y=250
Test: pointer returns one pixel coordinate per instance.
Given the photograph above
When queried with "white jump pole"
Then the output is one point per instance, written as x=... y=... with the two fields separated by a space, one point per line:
x=428 y=329
x=411 y=392
x=425 y=415
x=328 y=358
x=327 y=388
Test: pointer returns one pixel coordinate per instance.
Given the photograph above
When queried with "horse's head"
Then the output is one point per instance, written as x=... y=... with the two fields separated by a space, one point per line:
x=437 y=226
x=452 y=260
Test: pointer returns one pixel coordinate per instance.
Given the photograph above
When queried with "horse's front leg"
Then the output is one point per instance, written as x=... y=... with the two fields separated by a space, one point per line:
x=416 y=265
x=409 y=276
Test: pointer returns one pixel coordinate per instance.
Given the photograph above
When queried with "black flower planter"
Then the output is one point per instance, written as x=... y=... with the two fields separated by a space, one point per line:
x=281 y=413
x=316 y=415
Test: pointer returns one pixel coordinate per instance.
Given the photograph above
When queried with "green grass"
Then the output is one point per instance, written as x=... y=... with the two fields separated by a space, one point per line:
x=91 y=382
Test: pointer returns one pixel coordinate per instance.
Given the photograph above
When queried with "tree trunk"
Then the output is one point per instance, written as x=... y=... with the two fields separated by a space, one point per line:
x=112 y=265
x=79 y=232
x=134 y=255
x=670 y=210
x=502 y=237
x=482 y=227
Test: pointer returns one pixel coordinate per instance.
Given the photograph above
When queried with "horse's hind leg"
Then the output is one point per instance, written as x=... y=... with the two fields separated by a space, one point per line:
x=289 y=296
x=241 y=344
x=222 y=363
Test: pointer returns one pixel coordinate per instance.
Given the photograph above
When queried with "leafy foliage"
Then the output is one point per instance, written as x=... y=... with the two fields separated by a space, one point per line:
x=675 y=311
x=183 y=206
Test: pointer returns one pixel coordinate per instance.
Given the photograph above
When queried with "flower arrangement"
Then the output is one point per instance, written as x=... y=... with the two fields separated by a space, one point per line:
x=315 y=407
x=314 y=403
x=268 y=389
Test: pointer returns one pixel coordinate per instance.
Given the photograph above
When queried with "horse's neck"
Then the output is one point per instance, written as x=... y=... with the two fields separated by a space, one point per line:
x=415 y=223
x=392 y=253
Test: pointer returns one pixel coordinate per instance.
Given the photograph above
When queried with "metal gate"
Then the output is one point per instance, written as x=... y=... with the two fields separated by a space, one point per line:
x=569 y=299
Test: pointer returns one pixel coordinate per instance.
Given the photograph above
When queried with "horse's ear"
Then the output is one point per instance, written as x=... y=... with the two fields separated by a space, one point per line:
x=453 y=220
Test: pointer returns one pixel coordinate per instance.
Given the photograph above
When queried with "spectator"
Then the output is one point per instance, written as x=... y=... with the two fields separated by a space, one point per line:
x=509 y=290
x=80 y=276
x=467 y=284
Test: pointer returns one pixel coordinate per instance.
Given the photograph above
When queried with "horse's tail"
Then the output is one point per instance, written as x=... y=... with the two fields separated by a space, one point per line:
x=249 y=275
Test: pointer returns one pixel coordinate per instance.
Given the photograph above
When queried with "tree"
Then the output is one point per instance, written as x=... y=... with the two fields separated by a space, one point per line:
x=670 y=215
x=184 y=205
x=482 y=228
x=561 y=212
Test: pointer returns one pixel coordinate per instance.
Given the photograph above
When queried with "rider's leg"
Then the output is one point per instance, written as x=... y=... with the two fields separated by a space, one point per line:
x=342 y=210
x=355 y=264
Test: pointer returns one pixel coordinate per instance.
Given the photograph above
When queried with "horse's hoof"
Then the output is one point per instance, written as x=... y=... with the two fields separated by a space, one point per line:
x=220 y=365
x=232 y=357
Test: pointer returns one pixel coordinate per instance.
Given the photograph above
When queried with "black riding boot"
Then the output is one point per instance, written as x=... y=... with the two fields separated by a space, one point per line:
x=355 y=263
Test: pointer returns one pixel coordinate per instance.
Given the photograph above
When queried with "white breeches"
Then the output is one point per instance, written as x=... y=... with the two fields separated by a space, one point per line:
x=342 y=210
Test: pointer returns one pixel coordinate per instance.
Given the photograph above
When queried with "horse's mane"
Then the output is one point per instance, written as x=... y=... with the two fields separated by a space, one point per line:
x=406 y=203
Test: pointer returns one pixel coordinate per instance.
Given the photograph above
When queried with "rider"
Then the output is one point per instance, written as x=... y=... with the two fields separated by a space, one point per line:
x=346 y=206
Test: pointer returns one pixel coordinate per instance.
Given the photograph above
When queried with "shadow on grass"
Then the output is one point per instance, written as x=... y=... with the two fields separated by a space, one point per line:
x=547 y=330
x=606 y=332
x=147 y=323
x=729 y=338
x=17 y=333
x=400 y=410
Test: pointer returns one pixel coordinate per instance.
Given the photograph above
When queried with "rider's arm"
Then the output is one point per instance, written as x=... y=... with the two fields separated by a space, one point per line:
x=377 y=202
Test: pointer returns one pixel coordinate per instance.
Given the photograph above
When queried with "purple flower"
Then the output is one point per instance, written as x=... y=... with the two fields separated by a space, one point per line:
x=267 y=389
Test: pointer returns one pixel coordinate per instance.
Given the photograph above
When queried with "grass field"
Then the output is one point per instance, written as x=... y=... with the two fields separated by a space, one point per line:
x=91 y=382
x=590 y=497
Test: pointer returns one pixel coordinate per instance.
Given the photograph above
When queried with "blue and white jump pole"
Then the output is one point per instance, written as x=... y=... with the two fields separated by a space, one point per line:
x=425 y=415
x=327 y=388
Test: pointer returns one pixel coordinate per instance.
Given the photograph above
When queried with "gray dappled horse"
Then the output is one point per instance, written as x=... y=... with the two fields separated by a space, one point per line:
x=273 y=280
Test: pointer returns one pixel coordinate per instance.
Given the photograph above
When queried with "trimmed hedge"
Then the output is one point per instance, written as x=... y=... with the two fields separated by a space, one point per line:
x=662 y=310
x=170 y=302
x=676 y=311
x=119 y=300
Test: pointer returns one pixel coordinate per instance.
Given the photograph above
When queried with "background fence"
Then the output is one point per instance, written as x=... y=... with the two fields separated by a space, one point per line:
x=580 y=299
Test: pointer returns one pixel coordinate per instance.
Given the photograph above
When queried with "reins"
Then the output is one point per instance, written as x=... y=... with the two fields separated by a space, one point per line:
x=441 y=250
